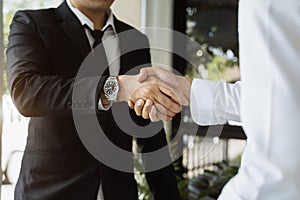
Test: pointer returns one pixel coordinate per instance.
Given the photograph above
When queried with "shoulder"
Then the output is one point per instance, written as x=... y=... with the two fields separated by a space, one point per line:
x=134 y=32
x=34 y=16
x=32 y=21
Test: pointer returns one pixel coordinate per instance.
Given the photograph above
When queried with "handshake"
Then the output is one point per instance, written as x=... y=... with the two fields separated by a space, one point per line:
x=155 y=93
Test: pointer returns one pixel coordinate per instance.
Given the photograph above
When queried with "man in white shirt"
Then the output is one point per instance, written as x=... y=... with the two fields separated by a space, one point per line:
x=267 y=101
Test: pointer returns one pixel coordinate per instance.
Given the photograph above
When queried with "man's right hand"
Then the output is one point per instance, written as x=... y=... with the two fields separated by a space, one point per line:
x=180 y=87
x=154 y=90
x=180 y=84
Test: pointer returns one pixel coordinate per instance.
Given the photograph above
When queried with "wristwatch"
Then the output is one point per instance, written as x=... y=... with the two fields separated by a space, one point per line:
x=111 y=88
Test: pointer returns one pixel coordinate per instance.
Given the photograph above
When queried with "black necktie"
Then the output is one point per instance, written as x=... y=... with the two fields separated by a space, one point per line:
x=97 y=35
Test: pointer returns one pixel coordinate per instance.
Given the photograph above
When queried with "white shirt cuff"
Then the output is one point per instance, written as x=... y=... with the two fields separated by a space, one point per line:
x=104 y=108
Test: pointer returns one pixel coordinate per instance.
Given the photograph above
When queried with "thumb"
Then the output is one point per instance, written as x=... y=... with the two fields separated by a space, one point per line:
x=143 y=75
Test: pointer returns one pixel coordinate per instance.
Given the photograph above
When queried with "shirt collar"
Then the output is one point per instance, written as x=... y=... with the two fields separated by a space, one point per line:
x=85 y=20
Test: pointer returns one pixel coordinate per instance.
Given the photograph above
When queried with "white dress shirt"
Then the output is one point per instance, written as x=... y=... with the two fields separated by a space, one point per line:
x=111 y=46
x=110 y=42
x=267 y=101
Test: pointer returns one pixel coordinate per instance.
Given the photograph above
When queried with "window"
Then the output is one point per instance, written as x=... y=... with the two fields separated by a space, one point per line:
x=213 y=24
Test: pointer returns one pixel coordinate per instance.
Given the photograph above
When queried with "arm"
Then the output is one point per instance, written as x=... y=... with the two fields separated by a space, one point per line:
x=178 y=90
x=35 y=89
x=214 y=102
x=38 y=91
x=153 y=89
x=211 y=102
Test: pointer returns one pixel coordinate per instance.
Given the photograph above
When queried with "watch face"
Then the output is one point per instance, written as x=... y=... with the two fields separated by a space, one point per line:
x=110 y=87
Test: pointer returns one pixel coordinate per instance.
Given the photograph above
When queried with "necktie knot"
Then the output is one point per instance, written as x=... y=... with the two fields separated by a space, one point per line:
x=101 y=56
x=97 y=35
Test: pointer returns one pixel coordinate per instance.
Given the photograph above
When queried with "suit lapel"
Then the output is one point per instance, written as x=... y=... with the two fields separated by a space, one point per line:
x=137 y=42
x=124 y=60
x=72 y=28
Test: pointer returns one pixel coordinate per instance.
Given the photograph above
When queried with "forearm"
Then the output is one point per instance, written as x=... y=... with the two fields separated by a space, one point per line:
x=214 y=102
x=127 y=85
x=35 y=95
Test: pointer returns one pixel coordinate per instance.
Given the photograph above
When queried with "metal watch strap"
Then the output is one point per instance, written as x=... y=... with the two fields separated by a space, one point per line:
x=112 y=97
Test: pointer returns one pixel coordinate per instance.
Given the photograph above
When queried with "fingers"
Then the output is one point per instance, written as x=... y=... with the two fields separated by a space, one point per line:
x=138 y=107
x=150 y=94
x=148 y=111
x=166 y=101
x=176 y=94
x=155 y=113
x=143 y=75
x=147 y=108
x=174 y=83
x=152 y=115
x=149 y=71
x=159 y=72
x=170 y=92
x=163 y=116
x=164 y=111
x=130 y=104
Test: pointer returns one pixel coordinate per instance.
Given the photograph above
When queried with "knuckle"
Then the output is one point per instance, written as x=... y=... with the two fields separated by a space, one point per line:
x=145 y=116
x=147 y=90
x=169 y=104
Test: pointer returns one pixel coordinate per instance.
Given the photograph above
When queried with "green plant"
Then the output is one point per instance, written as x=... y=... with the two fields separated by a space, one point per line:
x=143 y=188
x=206 y=186
x=183 y=188
x=213 y=64
x=210 y=184
x=219 y=67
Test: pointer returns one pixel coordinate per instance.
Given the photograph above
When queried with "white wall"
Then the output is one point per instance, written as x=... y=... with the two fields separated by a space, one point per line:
x=159 y=13
x=148 y=13
x=128 y=11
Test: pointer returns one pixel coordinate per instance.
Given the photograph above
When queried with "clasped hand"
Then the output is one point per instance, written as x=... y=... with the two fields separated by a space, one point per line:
x=158 y=94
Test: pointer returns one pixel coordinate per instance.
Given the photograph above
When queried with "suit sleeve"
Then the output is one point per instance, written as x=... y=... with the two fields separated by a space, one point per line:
x=34 y=90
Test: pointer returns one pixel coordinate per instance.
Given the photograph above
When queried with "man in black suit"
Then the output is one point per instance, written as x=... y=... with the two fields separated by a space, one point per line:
x=46 y=49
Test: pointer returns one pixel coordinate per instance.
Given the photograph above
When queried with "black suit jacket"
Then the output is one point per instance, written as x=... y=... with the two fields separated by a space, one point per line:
x=46 y=48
